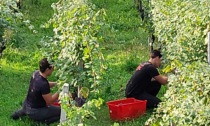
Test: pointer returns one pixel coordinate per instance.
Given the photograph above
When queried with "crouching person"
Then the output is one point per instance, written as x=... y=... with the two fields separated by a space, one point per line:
x=38 y=102
x=146 y=82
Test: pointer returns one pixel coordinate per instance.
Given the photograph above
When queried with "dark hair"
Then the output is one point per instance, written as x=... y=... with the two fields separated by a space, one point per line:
x=44 y=64
x=155 y=53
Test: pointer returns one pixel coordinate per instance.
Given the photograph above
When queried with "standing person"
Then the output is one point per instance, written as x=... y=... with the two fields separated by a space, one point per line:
x=38 y=102
x=146 y=82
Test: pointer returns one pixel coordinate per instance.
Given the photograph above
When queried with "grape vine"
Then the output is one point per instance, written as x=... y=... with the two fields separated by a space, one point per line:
x=76 y=53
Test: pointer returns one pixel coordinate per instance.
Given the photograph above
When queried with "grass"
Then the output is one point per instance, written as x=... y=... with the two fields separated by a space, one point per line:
x=125 y=47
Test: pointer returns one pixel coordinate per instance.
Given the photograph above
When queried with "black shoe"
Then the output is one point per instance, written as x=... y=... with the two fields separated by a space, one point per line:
x=17 y=114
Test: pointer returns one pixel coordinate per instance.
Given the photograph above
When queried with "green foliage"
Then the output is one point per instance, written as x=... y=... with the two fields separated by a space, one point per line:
x=131 y=63
x=8 y=19
x=186 y=101
x=145 y=11
x=124 y=24
x=11 y=19
x=144 y=8
x=182 y=27
x=75 y=48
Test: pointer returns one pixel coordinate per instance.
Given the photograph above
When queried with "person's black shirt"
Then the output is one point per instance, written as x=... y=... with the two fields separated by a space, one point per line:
x=38 y=86
x=140 y=79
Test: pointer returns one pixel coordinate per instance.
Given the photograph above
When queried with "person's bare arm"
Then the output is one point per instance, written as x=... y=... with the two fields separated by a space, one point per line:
x=161 y=79
x=49 y=98
x=52 y=84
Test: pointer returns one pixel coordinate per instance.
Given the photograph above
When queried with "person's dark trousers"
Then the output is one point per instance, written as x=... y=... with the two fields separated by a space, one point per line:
x=19 y=113
x=45 y=115
x=150 y=94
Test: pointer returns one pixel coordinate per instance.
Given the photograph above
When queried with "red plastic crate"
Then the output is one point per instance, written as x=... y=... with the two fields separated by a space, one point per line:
x=56 y=103
x=126 y=109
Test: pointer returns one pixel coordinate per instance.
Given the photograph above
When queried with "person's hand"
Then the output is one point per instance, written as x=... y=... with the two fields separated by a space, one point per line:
x=165 y=77
x=139 y=67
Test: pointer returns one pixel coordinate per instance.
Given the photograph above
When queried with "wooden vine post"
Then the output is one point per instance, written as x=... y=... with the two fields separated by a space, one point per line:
x=64 y=92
